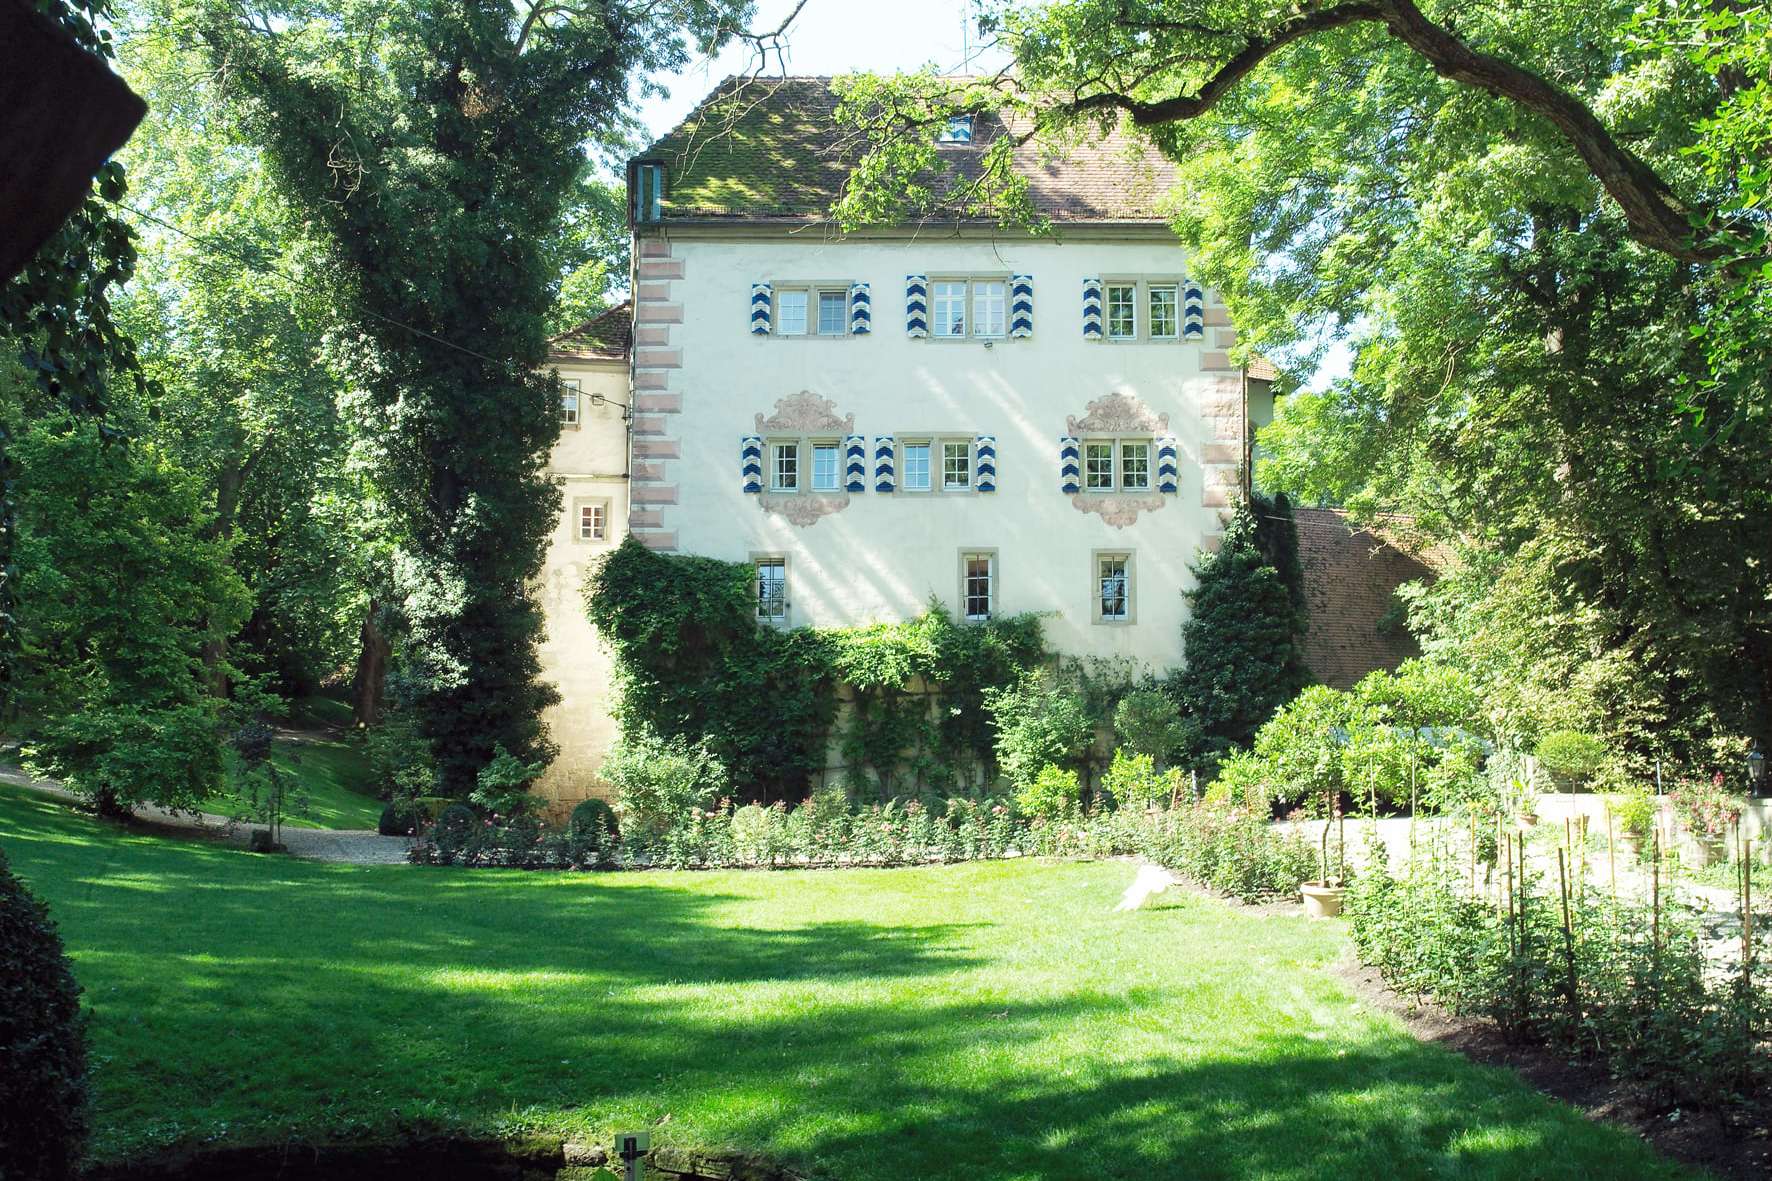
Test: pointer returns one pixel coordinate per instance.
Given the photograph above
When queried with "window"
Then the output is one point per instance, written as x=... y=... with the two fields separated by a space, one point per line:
x=1135 y=466
x=916 y=467
x=1164 y=324
x=978 y=584
x=1098 y=466
x=833 y=313
x=569 y=403
x=825 y=465
x=790 y=313
x=987 y=307
x=593 y=522
x=956 y=466
x=1122 y=311
x=958 y=130
x=950 y=308
x=772 y=589
x=785 y=470
x=1113 y=588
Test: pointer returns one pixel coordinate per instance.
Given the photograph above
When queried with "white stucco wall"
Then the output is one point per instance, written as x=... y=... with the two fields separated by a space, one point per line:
x=590 y=462
x=703 y=377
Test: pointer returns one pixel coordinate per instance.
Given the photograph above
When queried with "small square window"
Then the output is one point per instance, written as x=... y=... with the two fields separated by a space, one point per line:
x=1135 y=466
x=916 y=467
x=950 y=308
x=790 y=313
x=1098 y=466
x=957 y=131
x=1113 y=585
x=1122 y=311
x=978 y=585
x=785 y=470
x=593 y=522
x=1165 y=325
x=772 y=590
x=988 y=305
x=833 y=313
x=956 y=466
x=569 y=403
x=825 y=466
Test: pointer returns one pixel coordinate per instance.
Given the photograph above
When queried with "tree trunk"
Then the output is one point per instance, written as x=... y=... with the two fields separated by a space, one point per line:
x=227 y=506
x=372 y=670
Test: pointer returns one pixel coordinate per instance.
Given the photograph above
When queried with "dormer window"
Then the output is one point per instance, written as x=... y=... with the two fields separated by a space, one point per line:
x=958 y=130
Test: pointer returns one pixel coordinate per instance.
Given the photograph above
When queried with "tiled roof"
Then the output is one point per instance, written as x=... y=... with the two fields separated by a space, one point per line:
x=1350 y=576
x=1262 y=369
x=604 y=337
x=771 y=148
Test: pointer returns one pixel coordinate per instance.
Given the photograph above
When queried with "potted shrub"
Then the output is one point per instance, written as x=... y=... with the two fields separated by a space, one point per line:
x=1322 y=897
x=1707 y=810
x=1570 y=757
x=1635 y=813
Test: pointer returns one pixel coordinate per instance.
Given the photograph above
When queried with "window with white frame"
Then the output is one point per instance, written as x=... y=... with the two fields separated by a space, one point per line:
x=1122 y=311
x=956 y=466
x=916 y=467
x=569 y=403
x=1117 y=464
x=772 y=589
x=833 y=313
x=949 y=307
x=978 y=584
x=1098 y=466
x=1165 y=319
x=1135 y=465
x=1113 y=587
x=784 y=466
x=826 y=466
x=593 y=521
x=790 y=312
x=989 y=304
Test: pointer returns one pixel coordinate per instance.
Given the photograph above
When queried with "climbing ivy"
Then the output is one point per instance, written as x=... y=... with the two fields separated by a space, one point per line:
x=694 y=661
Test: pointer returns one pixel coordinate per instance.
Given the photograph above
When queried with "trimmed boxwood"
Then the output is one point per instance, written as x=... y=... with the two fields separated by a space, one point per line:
x=44 y=1093
x=593 y=818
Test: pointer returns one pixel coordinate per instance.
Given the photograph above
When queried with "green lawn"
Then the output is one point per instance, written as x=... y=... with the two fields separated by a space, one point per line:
x=332 y=776
x=989 y=1020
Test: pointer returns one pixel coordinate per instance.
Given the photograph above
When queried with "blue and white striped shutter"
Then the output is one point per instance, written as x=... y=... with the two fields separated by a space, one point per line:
x=1168 y=474
x=1070 y=473
x=861 y=310
x=750 y=454
x=1021 y=306
x=855 y=465
x=885 y=451
x=1092 y=309
x=1193 y=311
x=762 y=307
x=985 y=447
x=916 y=306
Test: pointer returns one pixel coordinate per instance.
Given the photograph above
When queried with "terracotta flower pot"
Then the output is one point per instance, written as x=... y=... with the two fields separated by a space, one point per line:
x=1708 y=851
x=1321 y=900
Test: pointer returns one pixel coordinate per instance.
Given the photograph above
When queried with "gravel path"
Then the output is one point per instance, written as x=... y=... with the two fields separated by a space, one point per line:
x=350 y=846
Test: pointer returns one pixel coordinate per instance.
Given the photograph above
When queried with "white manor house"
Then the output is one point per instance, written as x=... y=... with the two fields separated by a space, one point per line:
x=952 y=410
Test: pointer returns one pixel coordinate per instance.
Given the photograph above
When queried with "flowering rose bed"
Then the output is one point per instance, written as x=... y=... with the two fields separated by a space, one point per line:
x=1227 y=846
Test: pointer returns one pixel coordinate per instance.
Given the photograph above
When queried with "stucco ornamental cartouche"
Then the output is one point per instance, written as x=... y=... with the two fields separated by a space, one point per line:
x=1117 y=413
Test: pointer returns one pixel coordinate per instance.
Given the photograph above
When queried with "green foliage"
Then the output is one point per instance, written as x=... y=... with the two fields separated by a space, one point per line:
x=502 y=787
x=1039 y=724
x=268 y=794
x=467 y=132
x=659 y=782
x=1132 y=781
x=400 y=763
x=1054 y=794
x=594 y=817
x=1628 y=984
x=1230 y=846
x=694 y=662
x=1571 y=755
x=44 y=1094
x=126 y=587
x=1706 y=807
x=1148 y=722
x=1635 y=811
x=1241 y=639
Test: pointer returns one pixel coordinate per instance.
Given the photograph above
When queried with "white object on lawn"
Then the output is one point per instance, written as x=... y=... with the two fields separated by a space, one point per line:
x=1151 y=880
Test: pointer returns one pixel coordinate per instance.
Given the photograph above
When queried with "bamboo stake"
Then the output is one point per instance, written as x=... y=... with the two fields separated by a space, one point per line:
x=1747 y=912
x=1611 y=856
x=1568 y=942
x=1473 y=852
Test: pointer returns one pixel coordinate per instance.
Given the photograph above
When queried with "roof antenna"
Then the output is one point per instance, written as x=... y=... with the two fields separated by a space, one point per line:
x=965 y=39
